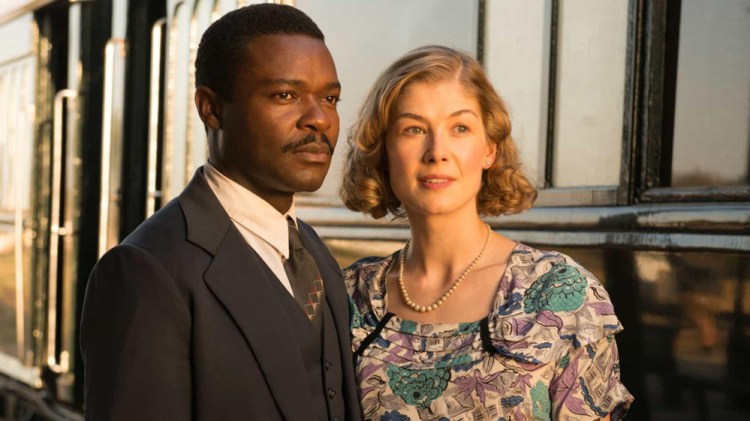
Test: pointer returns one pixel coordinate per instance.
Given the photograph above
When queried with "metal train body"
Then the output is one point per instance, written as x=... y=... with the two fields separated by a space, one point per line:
x=643 y=177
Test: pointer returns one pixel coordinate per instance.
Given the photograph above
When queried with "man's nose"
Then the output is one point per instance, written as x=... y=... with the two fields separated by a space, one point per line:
x=316 y=116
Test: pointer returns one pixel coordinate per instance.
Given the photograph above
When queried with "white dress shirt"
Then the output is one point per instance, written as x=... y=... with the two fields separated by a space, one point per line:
x=261 y=225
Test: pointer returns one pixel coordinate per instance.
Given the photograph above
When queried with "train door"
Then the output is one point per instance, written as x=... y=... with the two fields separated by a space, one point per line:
x=21 y=251
x=73 y=151
x=39 y=191
x=124 y=145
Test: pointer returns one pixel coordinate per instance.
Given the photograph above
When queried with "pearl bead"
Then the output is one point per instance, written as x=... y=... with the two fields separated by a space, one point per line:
x=441 y=300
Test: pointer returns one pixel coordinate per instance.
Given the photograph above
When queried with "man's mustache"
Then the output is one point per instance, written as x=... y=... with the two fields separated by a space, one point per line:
x=311 y=138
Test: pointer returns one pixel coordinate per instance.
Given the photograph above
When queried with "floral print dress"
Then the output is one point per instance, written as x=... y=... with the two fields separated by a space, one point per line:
x=545 y=352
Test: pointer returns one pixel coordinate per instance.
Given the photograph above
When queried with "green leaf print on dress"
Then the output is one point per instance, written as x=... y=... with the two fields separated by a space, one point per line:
x=417 y=387
x=541 y=406
x=563 y=288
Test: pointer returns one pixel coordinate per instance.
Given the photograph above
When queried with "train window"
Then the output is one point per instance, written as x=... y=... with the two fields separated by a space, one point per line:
x=695 y=141
x=711 y=145
x=176 y=172
x=516 y=57
x=561 y=67
x=592 y=38
x=17 y=68
x=384 y=31
x=197 y=151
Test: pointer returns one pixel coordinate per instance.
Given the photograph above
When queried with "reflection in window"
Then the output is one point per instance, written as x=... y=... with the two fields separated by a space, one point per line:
x=712 y=106
x=592 y=43
x=16 y=142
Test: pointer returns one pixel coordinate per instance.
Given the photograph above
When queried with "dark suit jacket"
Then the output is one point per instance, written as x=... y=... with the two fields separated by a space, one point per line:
x=180 y=322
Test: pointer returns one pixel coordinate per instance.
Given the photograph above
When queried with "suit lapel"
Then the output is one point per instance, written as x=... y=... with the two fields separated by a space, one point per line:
x=238 y=278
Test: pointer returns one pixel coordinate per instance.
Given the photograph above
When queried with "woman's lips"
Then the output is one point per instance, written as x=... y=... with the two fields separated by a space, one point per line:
x=436 y=181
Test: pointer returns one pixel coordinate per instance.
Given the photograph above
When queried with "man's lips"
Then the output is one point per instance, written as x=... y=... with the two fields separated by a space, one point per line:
x=318 y=153
x=313 y=148
x=312 y=141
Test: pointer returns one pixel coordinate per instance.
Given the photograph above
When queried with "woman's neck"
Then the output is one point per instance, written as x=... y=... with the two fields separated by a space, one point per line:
x=441 y=248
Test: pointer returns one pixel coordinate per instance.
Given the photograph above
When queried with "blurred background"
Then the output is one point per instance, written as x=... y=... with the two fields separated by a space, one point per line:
x=632 y=117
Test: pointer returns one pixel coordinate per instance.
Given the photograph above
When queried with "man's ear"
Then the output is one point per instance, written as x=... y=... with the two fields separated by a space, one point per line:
x=208 y=104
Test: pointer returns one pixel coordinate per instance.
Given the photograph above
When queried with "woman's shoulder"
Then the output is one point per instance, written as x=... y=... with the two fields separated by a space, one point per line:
x=547 y=301
x=365 y=271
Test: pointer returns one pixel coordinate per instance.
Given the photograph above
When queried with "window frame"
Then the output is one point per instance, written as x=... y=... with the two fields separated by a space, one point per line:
x=656 y=44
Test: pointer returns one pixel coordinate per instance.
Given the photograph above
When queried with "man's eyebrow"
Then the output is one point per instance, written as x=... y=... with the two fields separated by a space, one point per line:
x=282 y=81
x=296 y=82
x=334 y=85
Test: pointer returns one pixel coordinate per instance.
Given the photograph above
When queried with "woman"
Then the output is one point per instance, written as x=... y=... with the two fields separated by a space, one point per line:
x=463 y=323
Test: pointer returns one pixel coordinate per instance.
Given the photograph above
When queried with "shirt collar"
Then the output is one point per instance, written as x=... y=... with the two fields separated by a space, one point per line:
x=251 y=212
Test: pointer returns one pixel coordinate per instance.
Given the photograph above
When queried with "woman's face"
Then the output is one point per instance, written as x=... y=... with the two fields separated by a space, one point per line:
x=437 y=149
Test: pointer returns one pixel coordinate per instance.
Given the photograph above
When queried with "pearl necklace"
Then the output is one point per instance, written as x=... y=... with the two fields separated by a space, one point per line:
x=441 y=300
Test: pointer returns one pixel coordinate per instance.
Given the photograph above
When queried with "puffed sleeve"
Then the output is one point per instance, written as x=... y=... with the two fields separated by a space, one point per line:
x=586 y=384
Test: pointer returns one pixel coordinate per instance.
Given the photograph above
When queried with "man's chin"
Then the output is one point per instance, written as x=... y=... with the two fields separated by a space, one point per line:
x=309 y=186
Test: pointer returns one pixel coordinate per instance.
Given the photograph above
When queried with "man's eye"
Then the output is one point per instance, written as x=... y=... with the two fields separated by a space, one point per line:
x=284 y=96
x=333 y=99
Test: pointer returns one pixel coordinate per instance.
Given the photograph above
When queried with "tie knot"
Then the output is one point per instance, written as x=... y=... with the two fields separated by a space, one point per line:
x=295 y=241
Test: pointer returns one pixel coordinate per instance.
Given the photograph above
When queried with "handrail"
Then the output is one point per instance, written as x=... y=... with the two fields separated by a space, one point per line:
x=153 y=118
x=56 y=231
x=113 y=47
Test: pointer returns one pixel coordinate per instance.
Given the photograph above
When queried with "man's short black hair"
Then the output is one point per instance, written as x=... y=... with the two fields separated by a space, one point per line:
x=222 y=46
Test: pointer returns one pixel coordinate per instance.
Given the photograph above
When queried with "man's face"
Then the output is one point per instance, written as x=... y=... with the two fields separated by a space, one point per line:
x=279 y=130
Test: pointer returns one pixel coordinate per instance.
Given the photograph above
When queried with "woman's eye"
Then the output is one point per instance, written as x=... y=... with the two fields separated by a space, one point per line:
x=460 y=128
x=414 y=130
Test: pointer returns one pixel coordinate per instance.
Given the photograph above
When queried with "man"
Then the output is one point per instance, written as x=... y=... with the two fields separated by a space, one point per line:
x=222 y=305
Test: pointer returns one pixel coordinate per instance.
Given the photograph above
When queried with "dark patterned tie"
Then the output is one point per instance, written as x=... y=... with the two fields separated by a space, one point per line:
x=304 y=277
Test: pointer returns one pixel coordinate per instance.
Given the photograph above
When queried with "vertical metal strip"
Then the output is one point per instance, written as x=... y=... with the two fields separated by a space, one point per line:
x=169 y=108
x=113 y=48
x=552 y=95
x=481 y=24
x=193 y=39
x=17 y=161
x=153 y=117
x=633 y=63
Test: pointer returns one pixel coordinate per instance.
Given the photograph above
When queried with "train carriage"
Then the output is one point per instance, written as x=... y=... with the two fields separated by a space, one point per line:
x=632 y=117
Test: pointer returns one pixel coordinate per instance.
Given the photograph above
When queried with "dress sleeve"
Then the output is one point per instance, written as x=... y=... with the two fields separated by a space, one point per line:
x=586 y=384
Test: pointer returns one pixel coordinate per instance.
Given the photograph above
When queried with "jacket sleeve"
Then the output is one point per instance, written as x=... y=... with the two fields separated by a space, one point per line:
x=135 y=340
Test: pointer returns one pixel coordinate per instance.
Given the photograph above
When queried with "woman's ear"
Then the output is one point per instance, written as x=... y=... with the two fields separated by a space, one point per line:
x=490 y=153
x=208 y=104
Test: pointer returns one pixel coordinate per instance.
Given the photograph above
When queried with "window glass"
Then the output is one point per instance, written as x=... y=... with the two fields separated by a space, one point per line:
x=197 y=149
x=366 y=36
x=516 y=56
x=177 y=102
x=16 y=143
x=592 y=41
x=712 y=106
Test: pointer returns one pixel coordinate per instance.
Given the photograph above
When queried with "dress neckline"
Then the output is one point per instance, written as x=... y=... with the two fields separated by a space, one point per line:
x=381 y=308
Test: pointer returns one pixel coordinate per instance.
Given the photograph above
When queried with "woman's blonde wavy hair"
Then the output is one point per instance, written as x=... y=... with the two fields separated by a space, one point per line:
x=366 y=185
